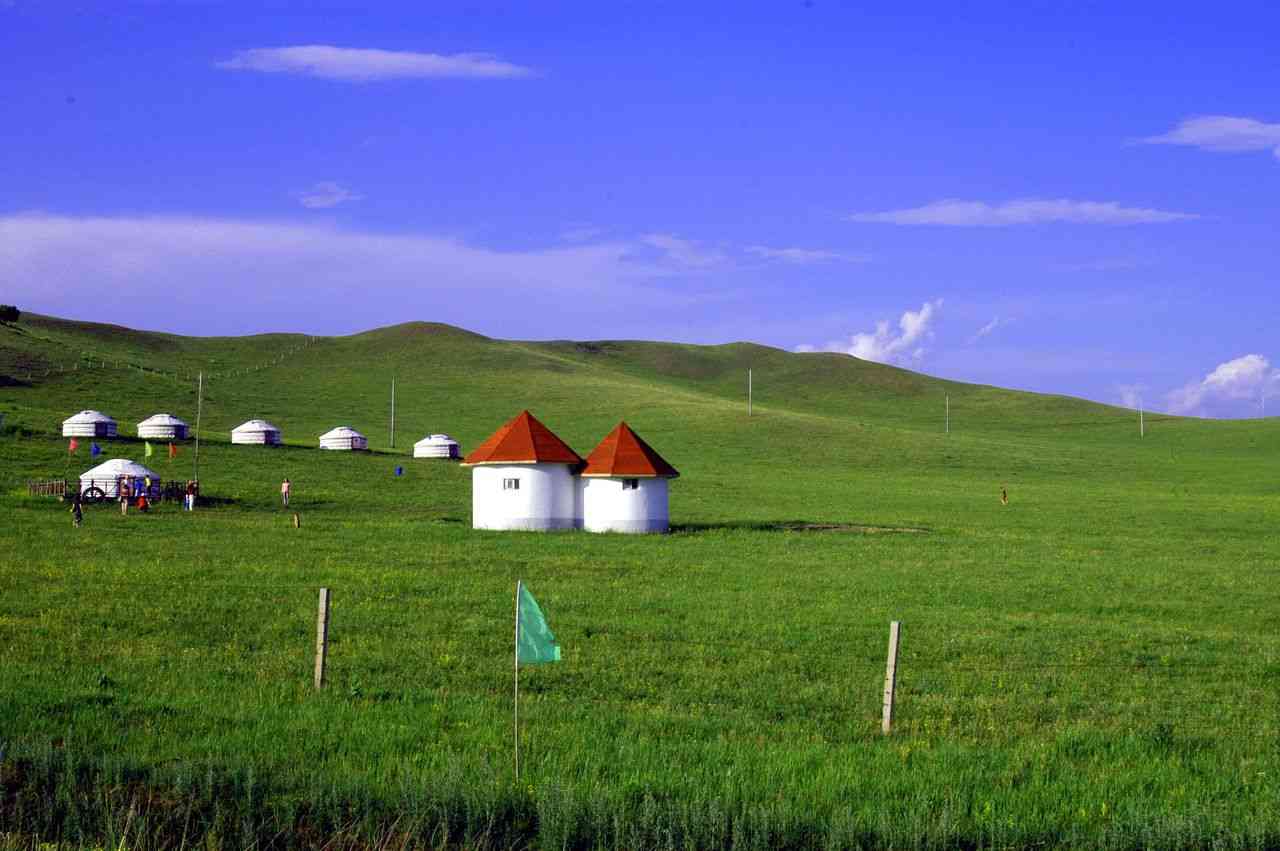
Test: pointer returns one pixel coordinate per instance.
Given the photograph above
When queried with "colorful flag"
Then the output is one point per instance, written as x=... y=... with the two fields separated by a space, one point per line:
x=173 y=452
x=94 y=449
x=73 y=445
x=535 y=642
x=147 y=452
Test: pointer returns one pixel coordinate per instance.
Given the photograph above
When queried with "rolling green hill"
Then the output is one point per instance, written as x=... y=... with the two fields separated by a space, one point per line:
x=1094 y=664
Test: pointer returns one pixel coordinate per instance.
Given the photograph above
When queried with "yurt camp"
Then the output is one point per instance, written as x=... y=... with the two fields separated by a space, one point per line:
x=624 y=485
x=522 y=477
x=344 y=438
x=436 y=446
x=163 y=427
x=259 y=432
x=89 y=424
x=107 y=476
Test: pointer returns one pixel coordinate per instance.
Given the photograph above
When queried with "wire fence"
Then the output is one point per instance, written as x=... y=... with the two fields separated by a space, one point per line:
x=831 y=681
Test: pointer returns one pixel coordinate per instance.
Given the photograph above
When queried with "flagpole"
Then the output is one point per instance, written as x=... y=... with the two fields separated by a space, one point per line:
x=516 y=655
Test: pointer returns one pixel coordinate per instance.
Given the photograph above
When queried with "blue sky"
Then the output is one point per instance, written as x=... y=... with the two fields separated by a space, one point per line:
x=1071 y=200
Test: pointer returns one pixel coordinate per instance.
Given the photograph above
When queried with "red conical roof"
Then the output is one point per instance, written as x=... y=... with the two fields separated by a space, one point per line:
x=523 y=440
x=623 y=454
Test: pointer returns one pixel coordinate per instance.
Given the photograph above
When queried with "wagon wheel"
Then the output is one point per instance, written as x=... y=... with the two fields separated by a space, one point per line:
x=93 y=494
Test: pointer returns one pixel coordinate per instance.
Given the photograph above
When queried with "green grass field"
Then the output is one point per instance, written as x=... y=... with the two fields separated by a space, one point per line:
x=1096 y=664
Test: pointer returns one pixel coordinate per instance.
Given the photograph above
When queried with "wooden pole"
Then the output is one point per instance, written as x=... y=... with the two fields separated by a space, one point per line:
x=890 y=679
x=322 y=637
x=516 y=704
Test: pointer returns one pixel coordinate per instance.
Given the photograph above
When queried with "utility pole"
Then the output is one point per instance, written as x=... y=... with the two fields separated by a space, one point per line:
x=1142 y=423
x=948 y=414
x=199 y=407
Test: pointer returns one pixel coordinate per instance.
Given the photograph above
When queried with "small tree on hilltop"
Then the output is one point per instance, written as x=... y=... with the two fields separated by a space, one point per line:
x=9 y=313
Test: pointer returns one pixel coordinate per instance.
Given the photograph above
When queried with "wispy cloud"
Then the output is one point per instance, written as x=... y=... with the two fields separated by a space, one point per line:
x=243 y=275
x=326 y=194
x=803 y=256
x=1224 y=133
x=366 y=64
x=686 y=253
x=1030 y=211
x=902 y=345
x=989 y=328
x=1249 y=379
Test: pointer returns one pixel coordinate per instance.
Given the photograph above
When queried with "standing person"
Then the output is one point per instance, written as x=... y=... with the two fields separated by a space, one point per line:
x=284 y=493
x=191 y=495
x=77 y=513
x=146 y=484
x=125 y=493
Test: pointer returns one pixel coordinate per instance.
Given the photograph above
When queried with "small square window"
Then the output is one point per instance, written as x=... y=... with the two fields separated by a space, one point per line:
x=511 y=484
x=630 y=484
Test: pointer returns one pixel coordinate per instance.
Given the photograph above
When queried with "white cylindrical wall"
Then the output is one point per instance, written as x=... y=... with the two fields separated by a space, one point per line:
x=269 y=438
x=545 y=499
x=163 y=432
x=606 y=507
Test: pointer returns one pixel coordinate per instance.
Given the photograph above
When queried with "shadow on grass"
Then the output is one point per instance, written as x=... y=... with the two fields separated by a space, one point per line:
x=794 y=526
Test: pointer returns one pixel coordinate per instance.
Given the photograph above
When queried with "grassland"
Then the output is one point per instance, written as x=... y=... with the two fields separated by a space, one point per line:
x=1095 y=664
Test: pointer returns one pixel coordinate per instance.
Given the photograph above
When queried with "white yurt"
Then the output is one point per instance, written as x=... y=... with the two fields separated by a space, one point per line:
x=522 y=477
x=258 y=432
x=436 y=446
x=106 y=476
x=89 y=424
x=163 y=427
x=345 y=438
x=624 y=485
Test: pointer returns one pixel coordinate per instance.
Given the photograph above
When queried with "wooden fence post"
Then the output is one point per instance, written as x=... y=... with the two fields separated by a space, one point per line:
x=890 y=678
x=322 y=636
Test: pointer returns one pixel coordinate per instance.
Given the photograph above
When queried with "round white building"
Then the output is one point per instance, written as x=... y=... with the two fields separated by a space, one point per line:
x=344 y=438
x=522 y=477
x=256 y=432
x=624 y=486
x=163 y=427
x=107 y=476
x=89 y=424
x=436 y=446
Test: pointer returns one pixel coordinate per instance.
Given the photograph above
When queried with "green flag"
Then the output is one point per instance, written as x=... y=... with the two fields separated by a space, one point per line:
x=147 y=452
x=534 y=640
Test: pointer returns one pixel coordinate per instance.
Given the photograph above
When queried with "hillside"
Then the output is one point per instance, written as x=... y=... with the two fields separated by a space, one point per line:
x=1091 y=665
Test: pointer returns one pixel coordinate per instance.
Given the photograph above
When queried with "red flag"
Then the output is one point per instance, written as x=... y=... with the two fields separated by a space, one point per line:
x=173 y=452
x=73 y=445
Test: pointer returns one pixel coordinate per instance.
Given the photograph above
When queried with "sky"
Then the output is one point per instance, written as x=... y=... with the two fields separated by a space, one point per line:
x=1068 y=198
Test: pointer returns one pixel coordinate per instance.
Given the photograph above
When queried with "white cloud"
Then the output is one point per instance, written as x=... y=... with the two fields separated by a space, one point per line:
x=991 y=326
x=1222 y=133
x=886 y=345
x=365 y=64
x=802 y=256
x=1249 y=379
x=326 y=194
x=957 y=213
x=213 y=276
x=685 y=253
x=1130 y=395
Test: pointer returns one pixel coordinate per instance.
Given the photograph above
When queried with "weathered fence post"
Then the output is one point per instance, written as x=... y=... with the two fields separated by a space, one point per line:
x=890 y=679
x=322 y=636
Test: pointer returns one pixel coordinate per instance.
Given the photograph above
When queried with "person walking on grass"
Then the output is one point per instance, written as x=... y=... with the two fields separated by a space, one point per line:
x=77 y=512
x=125 y=493
x=285 y=487
x=191 y=495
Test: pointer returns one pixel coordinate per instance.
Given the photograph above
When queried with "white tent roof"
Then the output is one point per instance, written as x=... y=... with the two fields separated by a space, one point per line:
x=255 y=425
x=110 y=470
x=341 y=432
x=162 y=420
x=435 y=440
x=88 y=417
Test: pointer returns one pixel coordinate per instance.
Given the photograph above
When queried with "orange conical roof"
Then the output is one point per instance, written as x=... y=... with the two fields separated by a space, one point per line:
x=523 y=440
x=623 y=454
